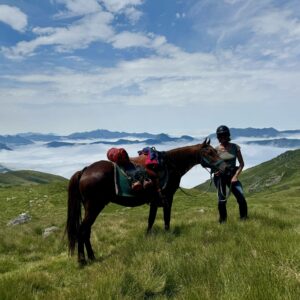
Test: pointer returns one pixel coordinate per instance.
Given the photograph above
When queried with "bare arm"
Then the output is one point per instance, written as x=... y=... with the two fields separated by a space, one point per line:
x=240 y=168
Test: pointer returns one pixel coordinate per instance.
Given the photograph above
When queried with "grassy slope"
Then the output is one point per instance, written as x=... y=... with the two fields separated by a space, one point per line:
x=26 y=177
x=197 y=259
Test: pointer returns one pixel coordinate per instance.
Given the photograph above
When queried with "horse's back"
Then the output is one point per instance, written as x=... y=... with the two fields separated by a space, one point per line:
x=99 y=176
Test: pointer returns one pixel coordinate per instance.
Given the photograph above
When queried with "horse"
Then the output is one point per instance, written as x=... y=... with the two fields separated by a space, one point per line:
x=94 y=187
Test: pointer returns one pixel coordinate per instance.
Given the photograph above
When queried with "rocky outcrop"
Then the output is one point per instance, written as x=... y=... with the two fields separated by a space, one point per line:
x=22 y=218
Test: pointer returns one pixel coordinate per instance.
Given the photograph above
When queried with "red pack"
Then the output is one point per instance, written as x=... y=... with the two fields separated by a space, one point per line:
x=118 y=156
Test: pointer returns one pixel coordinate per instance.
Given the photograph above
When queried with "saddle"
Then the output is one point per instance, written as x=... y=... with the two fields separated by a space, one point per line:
x=143 y=174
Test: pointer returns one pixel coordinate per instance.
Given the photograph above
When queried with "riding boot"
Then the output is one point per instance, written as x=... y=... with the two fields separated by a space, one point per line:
x=243 y=210
x=222 y=211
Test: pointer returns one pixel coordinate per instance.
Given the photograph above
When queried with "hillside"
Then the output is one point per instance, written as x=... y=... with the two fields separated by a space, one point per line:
x=25 y=177
x=197 y=259
x=280 y=173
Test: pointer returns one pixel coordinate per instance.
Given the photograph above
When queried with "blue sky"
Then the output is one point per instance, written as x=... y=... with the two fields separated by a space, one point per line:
x=139 y=65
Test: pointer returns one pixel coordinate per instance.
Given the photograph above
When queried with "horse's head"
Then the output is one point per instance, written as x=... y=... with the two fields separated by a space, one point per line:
x=210 y=158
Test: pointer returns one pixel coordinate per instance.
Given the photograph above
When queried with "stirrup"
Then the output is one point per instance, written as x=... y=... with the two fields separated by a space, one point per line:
x=137 y=186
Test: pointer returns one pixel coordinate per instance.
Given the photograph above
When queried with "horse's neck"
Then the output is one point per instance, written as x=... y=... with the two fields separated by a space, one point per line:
x=183 y=159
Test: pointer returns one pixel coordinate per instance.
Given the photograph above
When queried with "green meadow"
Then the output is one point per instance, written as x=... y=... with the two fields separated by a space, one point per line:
x=197 y=259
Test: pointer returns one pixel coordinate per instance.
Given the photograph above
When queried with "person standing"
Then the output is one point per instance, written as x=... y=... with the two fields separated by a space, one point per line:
x=230 y=153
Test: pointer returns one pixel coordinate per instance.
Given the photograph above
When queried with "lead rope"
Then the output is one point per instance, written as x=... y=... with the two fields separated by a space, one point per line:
x=205 y=192
x=221 y=192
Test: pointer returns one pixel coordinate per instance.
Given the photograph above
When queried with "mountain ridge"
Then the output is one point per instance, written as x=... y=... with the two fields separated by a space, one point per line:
x=8 y=142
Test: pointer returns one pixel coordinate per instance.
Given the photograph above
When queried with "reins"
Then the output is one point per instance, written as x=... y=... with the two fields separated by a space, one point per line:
x=205 y=192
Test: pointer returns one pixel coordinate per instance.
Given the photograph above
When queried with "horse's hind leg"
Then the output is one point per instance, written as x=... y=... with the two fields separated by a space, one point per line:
x=91 y=214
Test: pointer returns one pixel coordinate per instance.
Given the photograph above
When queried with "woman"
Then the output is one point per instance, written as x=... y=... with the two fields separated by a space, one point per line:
x=229 y=152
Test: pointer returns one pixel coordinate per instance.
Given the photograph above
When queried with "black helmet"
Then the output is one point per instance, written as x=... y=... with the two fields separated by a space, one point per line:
x=223 y=130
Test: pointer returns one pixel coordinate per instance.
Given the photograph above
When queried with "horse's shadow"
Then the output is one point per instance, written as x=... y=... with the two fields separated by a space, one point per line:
x=175 y=231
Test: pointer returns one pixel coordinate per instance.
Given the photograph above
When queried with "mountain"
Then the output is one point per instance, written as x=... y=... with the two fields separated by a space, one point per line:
x=57 y=144
x=3 y=169
x=282 y=143
x=14 y=140
x=106 y=134
x=4 y=147
x=279 y=173
x=258 y=132
x=40 y=137
x=159 y=139
x=27 y=177
x=60 y=140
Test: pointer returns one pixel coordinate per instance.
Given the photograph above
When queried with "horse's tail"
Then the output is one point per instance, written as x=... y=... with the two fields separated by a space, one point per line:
x=74 y=211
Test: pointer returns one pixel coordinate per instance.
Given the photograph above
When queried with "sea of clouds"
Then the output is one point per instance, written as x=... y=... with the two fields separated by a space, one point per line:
x=65 y=161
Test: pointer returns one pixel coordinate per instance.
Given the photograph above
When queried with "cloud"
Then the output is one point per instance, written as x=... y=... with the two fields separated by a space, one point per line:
x=277 y=22
x=180 y=15
x=13 y=17
x=177 y=78
x=128 y=39
x=78 y=8
x=40 y=158
x=95 y=25
x=253 y=30
x=117 y=6
x=79 y=35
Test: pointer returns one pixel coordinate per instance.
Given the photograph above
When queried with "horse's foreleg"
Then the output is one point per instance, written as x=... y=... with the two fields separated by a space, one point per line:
x=167 y=215
x=152 y=216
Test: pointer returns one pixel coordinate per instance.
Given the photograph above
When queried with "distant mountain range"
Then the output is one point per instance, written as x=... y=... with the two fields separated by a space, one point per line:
x=272 y=137
x=8 y=142
x=282 y=143
x=3 y=169
x=259 y=132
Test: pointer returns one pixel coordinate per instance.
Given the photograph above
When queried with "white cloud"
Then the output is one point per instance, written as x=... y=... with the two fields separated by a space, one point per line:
x=128 y=39
x=41 y=158
x=180 y=79
x=278 y=22
x=13 y=17
x=133 y=14
x=117 y=6
x=180 y=15
x=95 y=25
x=78 y=7
x=90 y=28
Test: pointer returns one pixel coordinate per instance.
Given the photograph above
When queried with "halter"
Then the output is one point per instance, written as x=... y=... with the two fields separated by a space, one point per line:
x=205 y=163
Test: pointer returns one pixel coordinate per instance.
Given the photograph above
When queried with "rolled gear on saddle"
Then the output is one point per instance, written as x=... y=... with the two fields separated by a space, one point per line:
x=153 y=165
x=118 y=156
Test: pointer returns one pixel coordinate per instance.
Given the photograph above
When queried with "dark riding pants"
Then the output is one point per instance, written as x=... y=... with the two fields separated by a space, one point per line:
x=236 y=189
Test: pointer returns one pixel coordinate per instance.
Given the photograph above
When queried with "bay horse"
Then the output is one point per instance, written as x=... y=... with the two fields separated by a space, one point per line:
x=94 y=187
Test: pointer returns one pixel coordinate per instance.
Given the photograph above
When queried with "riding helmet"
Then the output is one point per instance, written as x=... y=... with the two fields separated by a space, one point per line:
x=224 y=130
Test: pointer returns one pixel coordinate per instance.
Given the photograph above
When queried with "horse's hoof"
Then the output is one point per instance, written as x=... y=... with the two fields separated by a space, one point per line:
x=82 y=262
x=92 y=258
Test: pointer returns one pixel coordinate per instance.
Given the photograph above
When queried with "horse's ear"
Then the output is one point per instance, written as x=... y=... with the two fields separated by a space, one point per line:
x=206 y=141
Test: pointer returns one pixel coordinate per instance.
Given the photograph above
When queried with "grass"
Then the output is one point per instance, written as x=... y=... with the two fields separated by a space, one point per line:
x=197 y=259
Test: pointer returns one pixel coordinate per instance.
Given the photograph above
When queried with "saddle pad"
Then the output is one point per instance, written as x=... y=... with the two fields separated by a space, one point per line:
x=122 y=183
